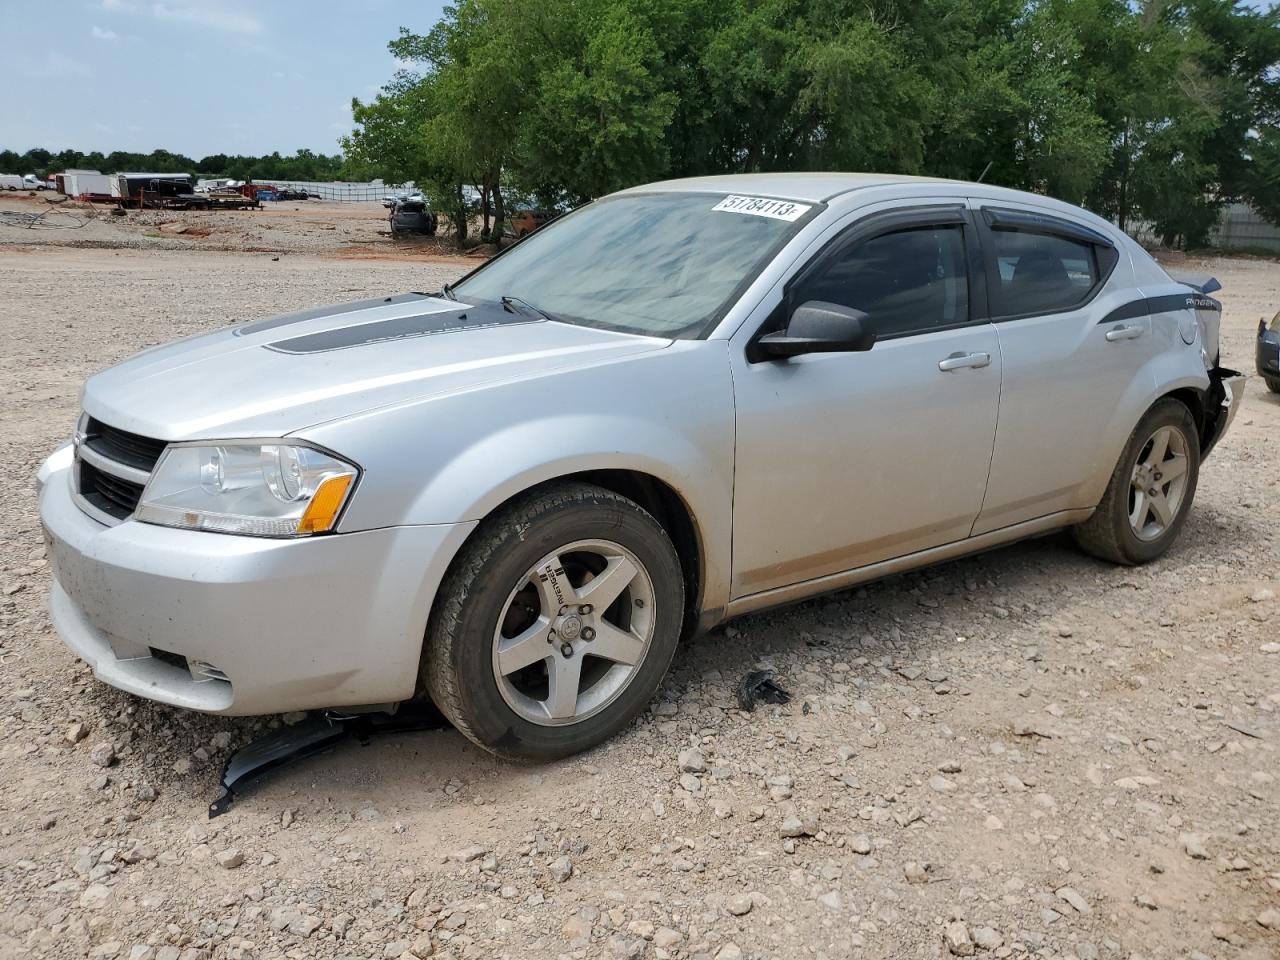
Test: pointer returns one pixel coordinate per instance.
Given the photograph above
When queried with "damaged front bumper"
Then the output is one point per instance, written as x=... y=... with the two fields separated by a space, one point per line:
x=241 y=625
x=1226 y=392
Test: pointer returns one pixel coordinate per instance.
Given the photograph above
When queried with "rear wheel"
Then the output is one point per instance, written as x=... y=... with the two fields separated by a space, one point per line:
x=556 y=623
x=1151 y=490
x=1273 y=384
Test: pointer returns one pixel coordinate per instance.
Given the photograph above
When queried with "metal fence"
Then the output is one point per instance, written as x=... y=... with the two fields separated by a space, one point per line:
x=1240 y=228
x=343 y=191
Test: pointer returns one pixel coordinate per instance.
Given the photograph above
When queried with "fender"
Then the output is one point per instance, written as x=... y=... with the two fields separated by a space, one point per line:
x=455 y=459
x=708 y=504
x=1144 y=393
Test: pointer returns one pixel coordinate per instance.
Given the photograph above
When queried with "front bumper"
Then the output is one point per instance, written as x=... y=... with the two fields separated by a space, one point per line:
x=241 y=625
x=1226 y=391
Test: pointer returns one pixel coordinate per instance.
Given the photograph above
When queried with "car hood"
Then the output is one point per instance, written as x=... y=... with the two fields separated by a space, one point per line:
x=277 y=376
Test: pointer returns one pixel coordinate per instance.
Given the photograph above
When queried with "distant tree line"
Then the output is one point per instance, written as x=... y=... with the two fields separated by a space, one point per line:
x=1154 y=110
x=303 y=165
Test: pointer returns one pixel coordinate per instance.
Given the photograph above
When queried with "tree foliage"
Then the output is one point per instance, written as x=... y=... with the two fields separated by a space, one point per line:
x=1152 y=110
x=303 y=165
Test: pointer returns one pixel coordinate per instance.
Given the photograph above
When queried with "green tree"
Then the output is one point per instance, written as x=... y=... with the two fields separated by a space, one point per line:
x=596 y=113
x=1262 y=184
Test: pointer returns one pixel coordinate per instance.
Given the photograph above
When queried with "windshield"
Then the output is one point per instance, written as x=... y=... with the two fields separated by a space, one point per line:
x=658 y=264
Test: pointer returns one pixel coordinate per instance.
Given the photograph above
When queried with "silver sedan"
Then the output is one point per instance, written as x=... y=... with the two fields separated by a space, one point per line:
x=678 y=404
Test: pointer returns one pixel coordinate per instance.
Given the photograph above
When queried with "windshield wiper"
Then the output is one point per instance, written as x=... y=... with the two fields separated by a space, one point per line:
x=447 y=290
x=509 y=304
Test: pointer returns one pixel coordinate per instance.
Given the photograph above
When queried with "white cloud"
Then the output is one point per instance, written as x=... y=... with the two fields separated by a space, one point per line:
x=206 y=14
x=119 y=6
x=98 y=33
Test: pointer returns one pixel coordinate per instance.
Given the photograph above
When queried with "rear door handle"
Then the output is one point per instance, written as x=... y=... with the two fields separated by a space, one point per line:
x=959 y=360
x=1121 y=332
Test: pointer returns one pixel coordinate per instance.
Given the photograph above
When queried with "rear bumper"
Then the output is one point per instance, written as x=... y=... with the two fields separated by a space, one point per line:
x=1267 y=357
x=242 y=625
x=1226 y=391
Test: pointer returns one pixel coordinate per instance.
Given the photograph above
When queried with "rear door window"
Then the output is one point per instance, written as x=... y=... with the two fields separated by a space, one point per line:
x=1040 y=273
x=1037 y=263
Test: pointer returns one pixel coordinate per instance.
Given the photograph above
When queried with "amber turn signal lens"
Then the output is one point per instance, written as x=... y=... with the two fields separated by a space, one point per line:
x=323 y=509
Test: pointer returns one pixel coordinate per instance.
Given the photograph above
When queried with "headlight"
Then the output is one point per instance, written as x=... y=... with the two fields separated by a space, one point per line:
x=261 y=489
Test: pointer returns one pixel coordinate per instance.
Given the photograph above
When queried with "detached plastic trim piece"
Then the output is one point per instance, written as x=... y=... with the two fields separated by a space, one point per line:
x=252 y=763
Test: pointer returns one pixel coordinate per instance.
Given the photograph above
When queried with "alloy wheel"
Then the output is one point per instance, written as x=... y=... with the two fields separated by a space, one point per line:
x=1159 y=483
x=574 y=632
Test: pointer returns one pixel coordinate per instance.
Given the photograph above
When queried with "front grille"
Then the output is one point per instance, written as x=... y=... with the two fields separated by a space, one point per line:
x=114 y=496
x=112 y=467
x=128 y=448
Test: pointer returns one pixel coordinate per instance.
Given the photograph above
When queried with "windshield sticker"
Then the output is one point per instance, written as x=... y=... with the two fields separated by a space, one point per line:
x=761 y=207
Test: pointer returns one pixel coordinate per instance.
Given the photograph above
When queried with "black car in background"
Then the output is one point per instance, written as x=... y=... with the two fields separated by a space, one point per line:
x=1268 y=354
x=412 y=217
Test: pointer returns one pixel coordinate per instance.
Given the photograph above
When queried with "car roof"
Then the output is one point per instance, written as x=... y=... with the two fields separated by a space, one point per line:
x=824 y=187
x=811 y=187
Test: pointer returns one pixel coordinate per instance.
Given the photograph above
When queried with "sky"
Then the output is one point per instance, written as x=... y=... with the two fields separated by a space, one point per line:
x=194 y=76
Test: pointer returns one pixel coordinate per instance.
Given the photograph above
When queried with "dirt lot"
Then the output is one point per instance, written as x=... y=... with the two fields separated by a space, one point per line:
x=304 y=226
x=1028 y=753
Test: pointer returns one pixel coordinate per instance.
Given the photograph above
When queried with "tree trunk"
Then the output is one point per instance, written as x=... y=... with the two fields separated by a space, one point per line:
x=499 y=211
x=460 y=216
x=1124 y=178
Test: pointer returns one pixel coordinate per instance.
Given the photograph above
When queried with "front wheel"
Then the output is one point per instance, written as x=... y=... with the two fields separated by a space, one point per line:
x=1273 y=384
x=555 y=624
x=1150 y=492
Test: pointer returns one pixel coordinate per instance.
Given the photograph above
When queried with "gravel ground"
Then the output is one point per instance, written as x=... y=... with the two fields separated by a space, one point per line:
x=1027 y=753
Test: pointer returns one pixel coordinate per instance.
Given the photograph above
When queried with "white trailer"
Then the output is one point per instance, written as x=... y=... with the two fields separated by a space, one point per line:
x=86 y=185
x=12 y=181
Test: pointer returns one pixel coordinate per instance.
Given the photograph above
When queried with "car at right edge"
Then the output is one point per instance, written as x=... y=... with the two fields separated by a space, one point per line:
x=1268 y=352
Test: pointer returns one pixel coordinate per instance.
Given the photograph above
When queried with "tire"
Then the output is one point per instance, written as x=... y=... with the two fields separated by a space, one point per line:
x=1113 y=533
x=495 y=594
x=1273 y=384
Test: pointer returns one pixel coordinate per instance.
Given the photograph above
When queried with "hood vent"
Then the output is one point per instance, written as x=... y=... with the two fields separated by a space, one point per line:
x=461 y=317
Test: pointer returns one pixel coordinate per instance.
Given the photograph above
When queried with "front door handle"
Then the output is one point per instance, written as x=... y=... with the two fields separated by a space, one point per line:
x=1121 y=332
x=959 y=360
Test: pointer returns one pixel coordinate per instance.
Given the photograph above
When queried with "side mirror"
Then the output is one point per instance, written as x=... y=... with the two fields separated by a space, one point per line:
x=819 y=327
